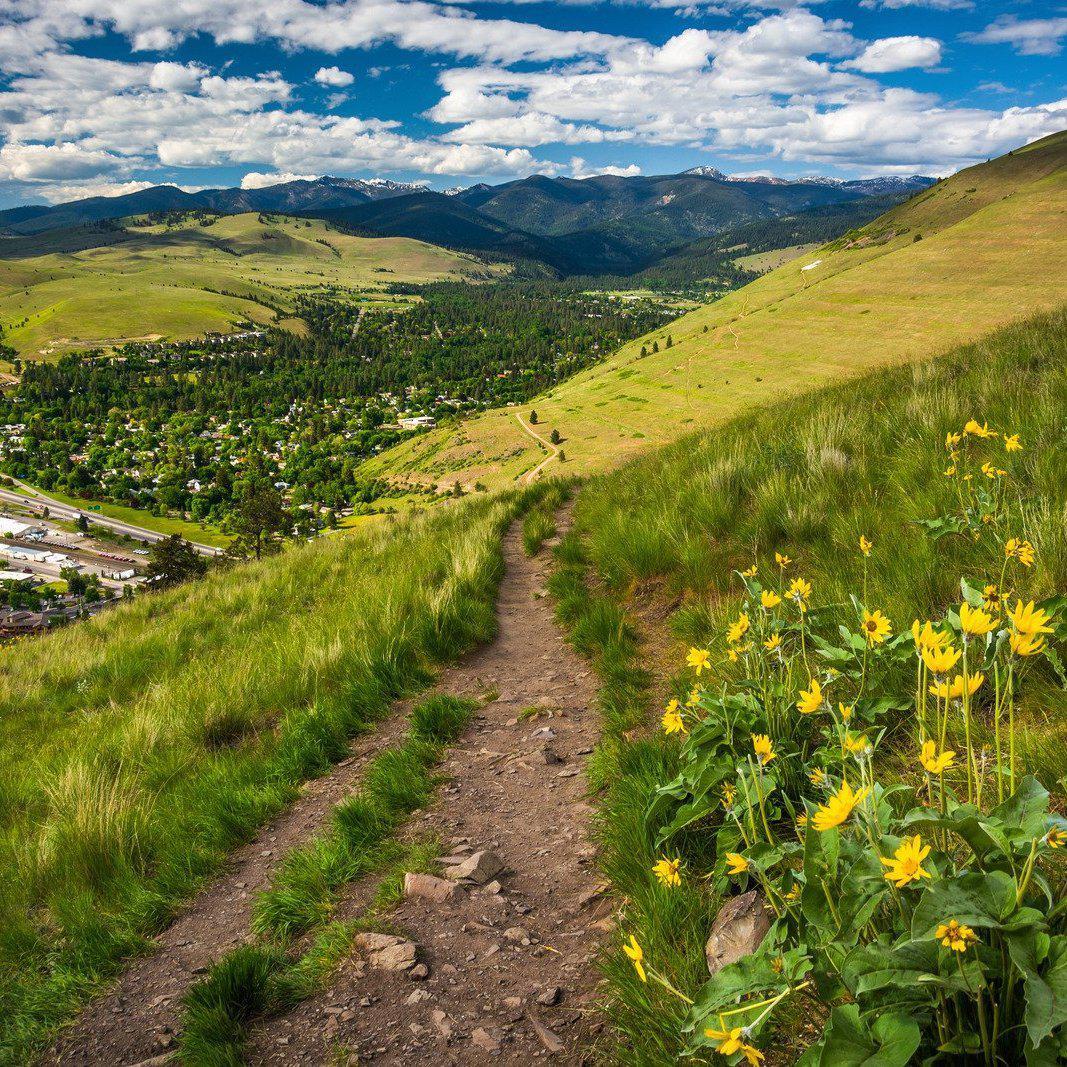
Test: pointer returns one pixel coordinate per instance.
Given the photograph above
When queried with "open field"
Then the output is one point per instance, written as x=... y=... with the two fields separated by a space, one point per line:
x=761 y=262
x=183 y=280
x=990 y=253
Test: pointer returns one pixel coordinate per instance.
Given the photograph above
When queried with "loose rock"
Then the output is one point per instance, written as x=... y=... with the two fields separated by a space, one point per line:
x=738 y=930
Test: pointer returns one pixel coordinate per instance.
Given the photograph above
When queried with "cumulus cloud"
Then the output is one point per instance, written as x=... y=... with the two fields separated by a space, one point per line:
x=1029 y=37
x=897 y=53
x=257 y=180
x=581 y=169
x=334 y=77
x=62 y=192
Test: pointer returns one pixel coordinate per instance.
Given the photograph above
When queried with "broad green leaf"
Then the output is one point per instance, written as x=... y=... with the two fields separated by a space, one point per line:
x=890 y=1041
x=974 y=899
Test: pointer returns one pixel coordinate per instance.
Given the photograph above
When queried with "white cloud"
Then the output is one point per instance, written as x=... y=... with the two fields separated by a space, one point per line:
x=334 y=76
x=531 y=128
x=934 y=5
x=897 y=53
x=257 y=180
x=581 y=169
x=61 y=193
x=38 y=162
x=1029 y=37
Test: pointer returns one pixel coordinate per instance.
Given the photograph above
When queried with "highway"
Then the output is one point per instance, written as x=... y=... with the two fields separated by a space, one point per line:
x=37 y=501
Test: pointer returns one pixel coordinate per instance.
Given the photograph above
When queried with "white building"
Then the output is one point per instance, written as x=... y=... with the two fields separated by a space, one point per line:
x=418 y=422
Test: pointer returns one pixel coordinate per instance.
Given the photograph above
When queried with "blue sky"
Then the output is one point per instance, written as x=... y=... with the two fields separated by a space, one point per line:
x=106 y=96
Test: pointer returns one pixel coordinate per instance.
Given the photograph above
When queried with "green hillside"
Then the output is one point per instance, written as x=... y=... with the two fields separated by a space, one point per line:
x=65 y=290
x=164 y=732
x=658 y=563
x=974 y=252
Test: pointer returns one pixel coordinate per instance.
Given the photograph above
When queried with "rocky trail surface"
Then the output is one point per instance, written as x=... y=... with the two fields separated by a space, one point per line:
x=491 y=962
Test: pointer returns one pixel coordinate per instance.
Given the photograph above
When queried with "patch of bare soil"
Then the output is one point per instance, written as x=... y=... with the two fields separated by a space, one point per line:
x=501 y=971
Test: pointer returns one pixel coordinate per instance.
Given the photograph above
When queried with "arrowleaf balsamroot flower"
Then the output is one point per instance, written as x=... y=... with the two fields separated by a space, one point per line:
x=1028 y=619
x=810 y=699
x=782 y=561
x=940 y=660
x=978 y=430
x=855 y=743
x=817 y=776
x=846 y=711
x=866 y=545
x=838 y=808
x=876 y=627
x=769 y=599
x=1012 y=443
x=737 y=629
x=1023 y=551
x=1026 y=644
x=972 y=683
x=773 y=643
x=667 y=871
x=751 y=572
x=927 y=637
x=731 y=1041
x=736 y=863
x=799 y=592
x=636 y=954
x=976 y=622
x=956 y=937
x=991 y=599
x=763 y=748
x=936 y=762
x=1056 y=838
x=906 y=864
x=672 y=719
x=699 y=659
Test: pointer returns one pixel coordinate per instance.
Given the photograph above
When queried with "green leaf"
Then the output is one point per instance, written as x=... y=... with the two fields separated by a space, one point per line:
x=849 y=1042
x=973 y=899
x=1043 y=963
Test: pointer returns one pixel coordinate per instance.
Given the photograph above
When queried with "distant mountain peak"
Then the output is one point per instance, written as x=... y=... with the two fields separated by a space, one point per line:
x=708 y=172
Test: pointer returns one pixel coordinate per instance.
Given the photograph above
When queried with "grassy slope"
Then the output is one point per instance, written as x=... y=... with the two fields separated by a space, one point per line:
x=153 y=280
x=991 y=253
x=138 y=748
x=659 y=540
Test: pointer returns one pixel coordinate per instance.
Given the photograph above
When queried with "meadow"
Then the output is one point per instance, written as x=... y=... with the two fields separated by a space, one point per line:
x=978 y=250
x=180 y=280
x=166 y=731
x=674 y=552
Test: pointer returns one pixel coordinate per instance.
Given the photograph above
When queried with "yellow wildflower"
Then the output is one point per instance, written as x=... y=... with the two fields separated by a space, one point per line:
x=975 y=621
x=667 y=872
x=876 y=627
x=952 y=440
x=838 y=808
x=737 y=629
x=1023 y=551
x=972 y=683
x=936 y=762
x=729 y=791
x=950 y=471
x=1026 y=644
x=699 y=659
x=1029 y=619
x=773 y=643
x=855 y=743
x=735 y=652
x=846 y=711
x=751 y=572
x=763 y=748
x=782 y=561
x=927 y=637
x=636 y=954
x=810 y=699
x=989 y=470
x=1012 y=443
x=817 y=776
x=991 y=599
x=672 y=719
x=866 y=545
x=769 y=599
x=976 y=430
x=731 y=1041
x=736 y=863
x=1056 y=838
x=940 y=660
x=906 y=865
x=799 y=592
x=694 y=696
x=802 y=820
x=956 y=937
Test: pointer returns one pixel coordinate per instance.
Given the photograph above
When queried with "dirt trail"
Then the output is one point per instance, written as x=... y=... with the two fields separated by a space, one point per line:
x=509 y=963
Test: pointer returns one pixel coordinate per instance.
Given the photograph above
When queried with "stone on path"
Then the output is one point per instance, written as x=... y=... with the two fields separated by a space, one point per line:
x=479 y=868
x=388 y=952
x=439 y=890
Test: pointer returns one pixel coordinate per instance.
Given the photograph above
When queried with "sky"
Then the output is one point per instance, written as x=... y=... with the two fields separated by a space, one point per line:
x=99 y=97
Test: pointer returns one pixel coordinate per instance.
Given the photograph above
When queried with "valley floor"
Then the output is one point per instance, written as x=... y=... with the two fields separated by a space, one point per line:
x=510 y=977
